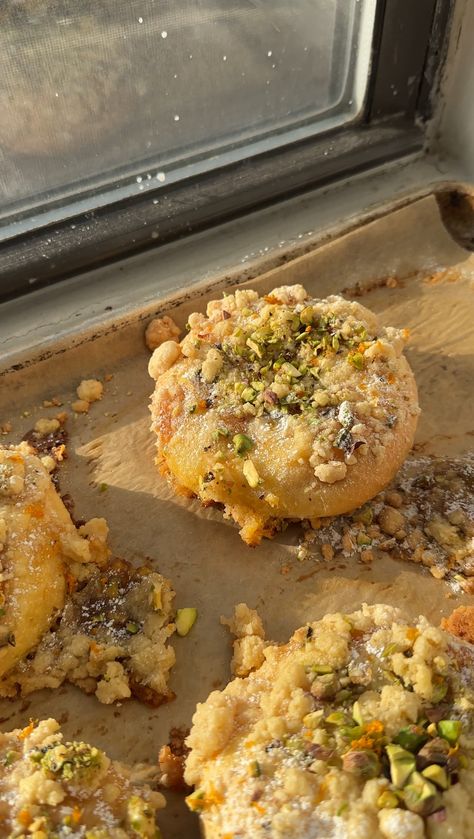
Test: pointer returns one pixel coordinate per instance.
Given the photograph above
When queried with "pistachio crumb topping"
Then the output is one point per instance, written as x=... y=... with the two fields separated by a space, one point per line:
x=362 y=715
x=310 y=388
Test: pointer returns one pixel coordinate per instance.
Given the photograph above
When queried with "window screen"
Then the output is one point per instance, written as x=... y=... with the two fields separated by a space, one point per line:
x=109 y=97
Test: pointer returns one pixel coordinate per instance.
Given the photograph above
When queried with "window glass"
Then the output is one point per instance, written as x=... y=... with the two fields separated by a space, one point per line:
x=109 y=97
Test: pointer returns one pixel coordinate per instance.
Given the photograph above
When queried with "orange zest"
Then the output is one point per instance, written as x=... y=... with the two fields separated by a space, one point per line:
x=24 y=817
x=363 y=742
x=374 y=727
x=412 y=633
x=321 y=793
x=25 y=732
x=36 y=511
x=76 y=815
x=259 y=808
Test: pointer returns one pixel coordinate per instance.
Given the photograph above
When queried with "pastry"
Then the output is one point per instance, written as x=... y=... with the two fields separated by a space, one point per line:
x=362 y=725
x=49 y=788
x=283 y=407
x=69 y=611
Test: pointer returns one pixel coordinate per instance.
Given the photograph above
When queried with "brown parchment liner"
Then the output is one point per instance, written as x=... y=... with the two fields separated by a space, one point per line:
x=209 y=565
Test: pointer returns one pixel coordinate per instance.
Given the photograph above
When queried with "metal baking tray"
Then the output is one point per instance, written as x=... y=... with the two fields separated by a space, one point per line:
x=203 y=555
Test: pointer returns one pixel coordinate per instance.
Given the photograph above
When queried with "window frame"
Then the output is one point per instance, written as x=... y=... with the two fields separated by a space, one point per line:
x=390 y=128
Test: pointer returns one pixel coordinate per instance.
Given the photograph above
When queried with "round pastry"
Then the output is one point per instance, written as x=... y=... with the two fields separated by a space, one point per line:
x=112 y=622
x=36 y=535
x=52 y=788
x=362 y=725
x=283 y=407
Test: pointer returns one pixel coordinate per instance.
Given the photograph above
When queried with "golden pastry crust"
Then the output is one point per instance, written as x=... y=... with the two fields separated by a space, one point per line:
x=112 y=622
x=360 y=726
x=461 y=623
x=283 y=407
x=36 y=538
x=49 y=787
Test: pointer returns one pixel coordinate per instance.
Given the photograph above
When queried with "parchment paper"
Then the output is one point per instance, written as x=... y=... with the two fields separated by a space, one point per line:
x=210 y=567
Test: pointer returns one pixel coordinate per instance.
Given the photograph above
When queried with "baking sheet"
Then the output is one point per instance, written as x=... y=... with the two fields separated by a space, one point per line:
x=203 y=555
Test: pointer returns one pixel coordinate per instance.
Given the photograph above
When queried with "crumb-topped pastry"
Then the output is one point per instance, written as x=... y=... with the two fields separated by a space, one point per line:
x=68 y=611
x=283 y=407
x=51 y=788
x=362 y=725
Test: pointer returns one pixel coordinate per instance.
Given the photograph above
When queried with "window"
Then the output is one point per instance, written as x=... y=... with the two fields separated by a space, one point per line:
x=128 y=115
x=93 y=93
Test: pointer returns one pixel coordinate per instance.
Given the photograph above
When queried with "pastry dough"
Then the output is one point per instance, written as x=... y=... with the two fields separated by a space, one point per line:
x=283 y=407
x=49 y=787
x=36 y=538
x=362 y=725
x=112 y=622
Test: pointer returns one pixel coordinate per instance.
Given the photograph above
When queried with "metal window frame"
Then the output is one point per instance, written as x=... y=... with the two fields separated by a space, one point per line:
x=409 y=45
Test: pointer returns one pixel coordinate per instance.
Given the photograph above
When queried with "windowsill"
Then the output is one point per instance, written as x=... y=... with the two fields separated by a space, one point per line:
x=239 y=249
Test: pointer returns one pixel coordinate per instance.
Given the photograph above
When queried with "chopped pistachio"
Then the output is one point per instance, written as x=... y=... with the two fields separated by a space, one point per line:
x=402 y=764
x=421 y=796
x=11 y=756
x=290 y=370
x=242 y=443
x=313 y=719
x=255 y=769
x=250 y=474
x=336 y=718
x=434 y=751
x=307 y=315
x=248 y=394
x=363 y=763
x=351 y=732
x=440 y=689
x=357 y=713
x=325 y=687
x=132 y=627
x=450 y=730
x=221 y=432
x=387 y=800
x=436 y=774
x=321 y=669
x=342 y=695
x=364 y=515
x=255 y=347
x=185 y=620
x=412 y=737
x=357 y=360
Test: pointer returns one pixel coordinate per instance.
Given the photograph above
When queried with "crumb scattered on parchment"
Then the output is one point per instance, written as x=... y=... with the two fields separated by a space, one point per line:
x=54 y=402
x=425 y=516
x=172 y=758
x=89 y=390
x=461 y=623
x=80 y=406
x=361 y=289
x=160 y=330
x=48 y=439
x=246 y=624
